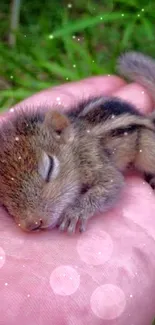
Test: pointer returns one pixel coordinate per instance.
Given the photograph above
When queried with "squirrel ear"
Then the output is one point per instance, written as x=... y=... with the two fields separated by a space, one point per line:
x=56 y=120
x=59 y=123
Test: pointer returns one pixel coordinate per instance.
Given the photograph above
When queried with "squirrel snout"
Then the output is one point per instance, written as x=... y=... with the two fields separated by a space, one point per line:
x=32 y=225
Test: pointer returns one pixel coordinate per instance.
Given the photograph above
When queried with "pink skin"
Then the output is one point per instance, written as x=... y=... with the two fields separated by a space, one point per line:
x=31 y=282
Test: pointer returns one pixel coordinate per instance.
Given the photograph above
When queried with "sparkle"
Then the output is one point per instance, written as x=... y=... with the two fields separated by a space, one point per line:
x=24 y=35
x=101 y=18
x=111 y=180
x=58 y=98
x=142 y=9
x=131 y=296
x=108 y=75
x=73 y=36
x=71 y=278
x=113 y=116
x=142 y=92
x=99 y=253
x=11 y=77
x=51 y=36
x=122 y=15
x=88 y=131
x=11 y=110
x=19 y=157
x=74 y=65
x=36 y=222
x=138 y=15
x=69 y=5
x=67 y=78
x=64 y=274
x=12 y=178
x=125 y=133
x=78 y=39
x=28 y=295
x=19 y=224
x=6 y=284
x=93 y=61
x=1 y=257
x=16 y=138
x=140 y=150
x=23 y=265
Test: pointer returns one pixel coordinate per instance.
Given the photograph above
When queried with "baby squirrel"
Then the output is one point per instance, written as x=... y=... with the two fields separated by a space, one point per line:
x=59 y=169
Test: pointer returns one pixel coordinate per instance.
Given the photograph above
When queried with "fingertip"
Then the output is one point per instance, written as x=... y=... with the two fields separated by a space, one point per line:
x=137 y=95
x=72 y=92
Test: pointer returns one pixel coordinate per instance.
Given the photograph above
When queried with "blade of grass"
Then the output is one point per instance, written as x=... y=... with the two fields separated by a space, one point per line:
x=148 y=29
x=128 y=34
x=89 y=22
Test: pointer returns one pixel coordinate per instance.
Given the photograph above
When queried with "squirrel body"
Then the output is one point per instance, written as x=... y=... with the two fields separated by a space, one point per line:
x=59 y=169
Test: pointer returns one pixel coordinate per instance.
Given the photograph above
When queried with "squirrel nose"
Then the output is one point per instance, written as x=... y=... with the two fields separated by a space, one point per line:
x=34 y=225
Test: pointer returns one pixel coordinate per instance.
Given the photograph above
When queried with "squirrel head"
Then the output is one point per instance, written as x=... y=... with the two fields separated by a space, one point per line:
x=38 y=176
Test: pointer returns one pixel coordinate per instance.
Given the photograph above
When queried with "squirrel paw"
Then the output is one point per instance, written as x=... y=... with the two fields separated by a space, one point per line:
x=71 y=218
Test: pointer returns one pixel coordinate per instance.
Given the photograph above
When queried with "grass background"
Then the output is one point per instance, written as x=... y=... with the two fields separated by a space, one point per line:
x=58 y=41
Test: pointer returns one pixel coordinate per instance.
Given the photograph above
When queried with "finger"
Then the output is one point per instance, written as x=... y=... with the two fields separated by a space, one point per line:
x=72 y=92
x=137 y=95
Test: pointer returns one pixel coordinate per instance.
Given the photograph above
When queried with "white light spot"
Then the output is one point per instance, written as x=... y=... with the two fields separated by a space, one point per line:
x=142 y=92
x=6 y=284
x=16 y=138
x=36 y=222
x=64 y=280
x=19 y=224
x=12 y=178
x=28 y=295
x=113 y=116
x=138 y=15
x=140 y=150
x=125 y=133
x=111 y=180
x=24 y=35
x=67 y=78
x=108 y=75
x=11 y=110
x=88 y=131
x=11 y=77
x=142 y=9
x=2 y=257
x=19 y=157
x=101 y=18
x=74 y=65
x=50 y=36
x=69 y=5
x=58 y=98
x=73 y=36
x=108 y=302
x=23 y=265
x=122 y=15
x=93 y=61
x=131 y=296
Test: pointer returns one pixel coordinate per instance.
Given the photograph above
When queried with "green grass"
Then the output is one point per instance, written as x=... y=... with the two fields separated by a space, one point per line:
x=55 y=43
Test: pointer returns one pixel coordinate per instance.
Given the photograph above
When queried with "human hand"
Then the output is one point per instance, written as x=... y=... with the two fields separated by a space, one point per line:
x=105 y=274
